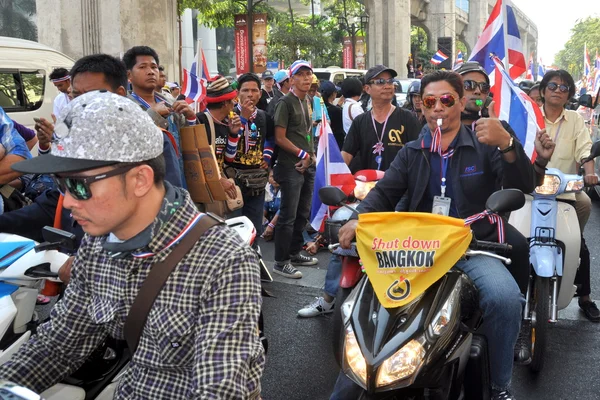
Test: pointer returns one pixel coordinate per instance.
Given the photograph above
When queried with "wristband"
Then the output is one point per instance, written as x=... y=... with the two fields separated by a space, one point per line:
x=270 y=225
x=302 y=154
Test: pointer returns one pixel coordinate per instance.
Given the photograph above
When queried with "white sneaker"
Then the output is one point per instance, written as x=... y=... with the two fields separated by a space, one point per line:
x=317 y=307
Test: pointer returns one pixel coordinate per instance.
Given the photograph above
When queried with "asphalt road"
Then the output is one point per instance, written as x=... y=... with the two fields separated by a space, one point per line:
x=300 y=363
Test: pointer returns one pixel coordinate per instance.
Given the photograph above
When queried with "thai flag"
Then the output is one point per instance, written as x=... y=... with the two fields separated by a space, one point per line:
x=192 y=88
x=459 y=59
x=586 y=62
x=500 y=37
x=541 y=70
x=331 y=171
x=438 y=58
x=530 y=69
x=515 y=107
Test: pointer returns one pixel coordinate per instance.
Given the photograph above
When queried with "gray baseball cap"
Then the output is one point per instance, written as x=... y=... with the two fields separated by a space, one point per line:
x=95 y=130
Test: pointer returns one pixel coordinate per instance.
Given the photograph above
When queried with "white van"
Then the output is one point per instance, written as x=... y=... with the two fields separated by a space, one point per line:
x=337 y=74
x=25 y=88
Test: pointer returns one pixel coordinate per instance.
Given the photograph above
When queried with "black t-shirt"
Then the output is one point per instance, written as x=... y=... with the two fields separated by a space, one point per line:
x=265 y=99
x=337 y=127
x=402 y=127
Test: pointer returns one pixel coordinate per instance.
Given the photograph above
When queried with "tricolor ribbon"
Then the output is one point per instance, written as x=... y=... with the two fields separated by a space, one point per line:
x=64 y=78
x=493 y=218
x=247 y=123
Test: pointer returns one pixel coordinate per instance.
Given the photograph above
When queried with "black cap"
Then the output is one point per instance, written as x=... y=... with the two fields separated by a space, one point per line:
x=268 y=74
x=377 y=70
x=472 y=66
x=327 y=88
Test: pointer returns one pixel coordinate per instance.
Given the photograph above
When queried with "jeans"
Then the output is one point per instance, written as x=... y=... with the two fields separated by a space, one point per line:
x=501 y=302
x=296 y=197
x=254 y=210
x=332 y=279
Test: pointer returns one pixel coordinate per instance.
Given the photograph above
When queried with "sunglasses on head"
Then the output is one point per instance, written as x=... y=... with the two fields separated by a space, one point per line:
x=447 y=100
x=471 y=85
x=382 y=81
x=553 y=86
x=79 y=186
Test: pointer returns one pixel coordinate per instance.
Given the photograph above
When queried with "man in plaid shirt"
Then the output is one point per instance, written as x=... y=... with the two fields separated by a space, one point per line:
x=201 y=339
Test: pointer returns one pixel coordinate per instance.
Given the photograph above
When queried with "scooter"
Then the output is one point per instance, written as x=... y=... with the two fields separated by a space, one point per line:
x=27 y=265
x=555 y=240
x=430 y=347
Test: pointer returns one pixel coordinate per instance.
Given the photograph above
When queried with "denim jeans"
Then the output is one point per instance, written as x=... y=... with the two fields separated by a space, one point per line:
x=254 y=210
x=332 y=279
x=296 y=197
x=502 y=304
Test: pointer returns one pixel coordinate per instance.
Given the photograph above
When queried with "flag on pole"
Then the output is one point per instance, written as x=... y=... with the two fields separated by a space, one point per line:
x=192 y=87
x=331 y=171
x=530 y=69
x=518 y=109
x=586 y=62
x=459 y=59
x=541 y=70
x=501 y=37
x=438 y=58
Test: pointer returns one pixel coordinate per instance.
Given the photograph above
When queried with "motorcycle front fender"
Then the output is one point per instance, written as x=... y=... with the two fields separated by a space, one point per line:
x=543 y=260
x=351 y=272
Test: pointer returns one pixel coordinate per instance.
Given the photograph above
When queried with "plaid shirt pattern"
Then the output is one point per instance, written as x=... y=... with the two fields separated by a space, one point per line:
x=200 y=340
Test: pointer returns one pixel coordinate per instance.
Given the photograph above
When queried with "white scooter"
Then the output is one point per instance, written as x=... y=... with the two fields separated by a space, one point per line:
x=20 y=281
x=554 y=237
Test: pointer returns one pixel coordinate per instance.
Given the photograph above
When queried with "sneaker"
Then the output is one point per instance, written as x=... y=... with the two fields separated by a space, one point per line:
x=523 y=346
x=287 y=270
x=502 y=395
x=317 y=307
x=590 y=310
x=303 y=260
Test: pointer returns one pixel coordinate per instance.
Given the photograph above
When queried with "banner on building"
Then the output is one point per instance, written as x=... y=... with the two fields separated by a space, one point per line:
x=259 y=42
x=347 y=52
x=361 y=51
x=241 y=44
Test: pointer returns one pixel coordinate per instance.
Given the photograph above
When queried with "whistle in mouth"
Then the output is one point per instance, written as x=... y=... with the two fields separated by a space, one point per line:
x=439 y=122
x=231 y=114
x=479 y=103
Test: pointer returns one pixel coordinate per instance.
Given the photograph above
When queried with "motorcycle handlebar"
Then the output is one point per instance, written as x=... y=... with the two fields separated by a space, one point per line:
x=499 y=248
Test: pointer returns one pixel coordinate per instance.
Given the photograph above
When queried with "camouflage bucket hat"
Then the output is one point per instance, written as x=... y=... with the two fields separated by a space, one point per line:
x=98 y=129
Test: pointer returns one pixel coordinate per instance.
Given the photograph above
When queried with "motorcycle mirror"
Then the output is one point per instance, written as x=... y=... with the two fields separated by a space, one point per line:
x=332 y=196
x=505 y=200
x=585 y=100
x=55 y=239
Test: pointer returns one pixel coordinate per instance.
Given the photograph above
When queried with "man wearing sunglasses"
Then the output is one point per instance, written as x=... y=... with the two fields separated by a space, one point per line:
x=476 y=163
x=573 y=143
x=200 y=338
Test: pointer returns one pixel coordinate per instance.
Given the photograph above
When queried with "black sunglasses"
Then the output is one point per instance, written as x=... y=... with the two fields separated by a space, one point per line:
x=553 y=86
x=382 y=81
x=79 y=186
x=470 y=86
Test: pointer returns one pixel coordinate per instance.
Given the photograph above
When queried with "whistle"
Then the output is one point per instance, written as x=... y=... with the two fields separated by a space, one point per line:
x=479 y=103
x=439 y=122
x=231 y=114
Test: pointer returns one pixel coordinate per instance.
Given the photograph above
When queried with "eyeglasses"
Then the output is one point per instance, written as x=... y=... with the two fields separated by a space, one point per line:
x=470 y=86
x=79 y=187
x=447 y=100
x=553 y=86
x=382 y=81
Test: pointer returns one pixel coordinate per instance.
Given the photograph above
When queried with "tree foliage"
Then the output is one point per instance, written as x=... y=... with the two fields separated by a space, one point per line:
x=571 y=57
x=16 y=19
x=220 y=13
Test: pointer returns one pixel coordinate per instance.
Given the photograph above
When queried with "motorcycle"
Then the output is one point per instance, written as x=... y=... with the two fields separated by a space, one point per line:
x=554 y=237
x=428 y=348
x=351 y=270
x=26 y=265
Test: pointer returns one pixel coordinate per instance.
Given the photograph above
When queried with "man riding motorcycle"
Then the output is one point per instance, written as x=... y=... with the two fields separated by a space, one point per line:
x=476 y=162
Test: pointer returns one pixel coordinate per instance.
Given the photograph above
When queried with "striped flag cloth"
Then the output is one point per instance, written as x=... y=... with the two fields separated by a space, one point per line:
x=530 y=69
x=331 y=171
x=501 y=39
x=192 y=88
x=438 y=58
x=541 y=70
x=459 y=59
x=515 y=107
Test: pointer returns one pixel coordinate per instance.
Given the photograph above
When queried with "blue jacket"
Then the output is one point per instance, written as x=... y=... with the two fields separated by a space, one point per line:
x=477 y=170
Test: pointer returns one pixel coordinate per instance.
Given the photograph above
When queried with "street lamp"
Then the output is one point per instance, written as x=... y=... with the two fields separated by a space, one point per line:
x=353 y=29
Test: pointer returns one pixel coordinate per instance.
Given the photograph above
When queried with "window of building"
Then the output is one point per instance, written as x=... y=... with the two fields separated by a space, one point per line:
x=463 y=5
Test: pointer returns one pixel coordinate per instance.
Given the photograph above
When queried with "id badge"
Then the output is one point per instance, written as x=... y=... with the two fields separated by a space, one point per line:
x=441 y=205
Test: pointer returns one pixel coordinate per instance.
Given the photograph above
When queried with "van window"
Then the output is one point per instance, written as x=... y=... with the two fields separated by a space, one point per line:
x=338 y=79
x=21 y=90
x=323 y=76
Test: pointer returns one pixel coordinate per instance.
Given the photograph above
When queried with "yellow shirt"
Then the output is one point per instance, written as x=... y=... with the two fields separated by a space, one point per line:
x=572 y=138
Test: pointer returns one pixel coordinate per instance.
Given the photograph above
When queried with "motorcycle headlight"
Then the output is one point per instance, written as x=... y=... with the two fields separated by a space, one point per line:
x=362 y=189
x=404 y=363
x=550 y=186
x=445 y=317
x=575 y=185
x=354 y=360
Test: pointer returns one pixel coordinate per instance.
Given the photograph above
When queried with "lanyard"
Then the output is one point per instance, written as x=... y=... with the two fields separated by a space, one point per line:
x=144 y=102
x=247 y=129
x=304 y=115
x=445 y=159
x=558 y=130
x=378 y=148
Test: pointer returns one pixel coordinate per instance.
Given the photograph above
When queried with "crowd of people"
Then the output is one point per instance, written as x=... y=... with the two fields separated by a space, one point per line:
x=110 y=170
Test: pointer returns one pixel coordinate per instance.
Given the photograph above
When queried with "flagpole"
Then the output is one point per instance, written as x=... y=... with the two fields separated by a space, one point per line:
x=198 y=71
x=325 y=136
